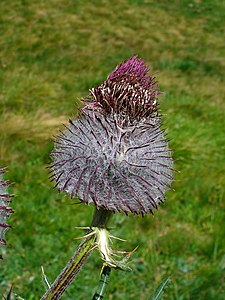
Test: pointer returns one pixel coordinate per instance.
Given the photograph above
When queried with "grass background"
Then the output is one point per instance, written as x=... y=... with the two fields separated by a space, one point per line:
x=51 y=53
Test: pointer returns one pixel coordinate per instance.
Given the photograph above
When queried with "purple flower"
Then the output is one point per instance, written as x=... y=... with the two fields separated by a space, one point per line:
x=5 y=210
x=114 y=154
x=128 y=92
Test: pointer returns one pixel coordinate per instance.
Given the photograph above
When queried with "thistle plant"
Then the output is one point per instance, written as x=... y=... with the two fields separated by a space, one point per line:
x=5 y=210
x=115 y=156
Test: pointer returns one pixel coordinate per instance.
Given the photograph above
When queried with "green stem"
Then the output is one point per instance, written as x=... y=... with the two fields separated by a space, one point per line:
x=99 y=294
x=100 y=219
x=70 y=271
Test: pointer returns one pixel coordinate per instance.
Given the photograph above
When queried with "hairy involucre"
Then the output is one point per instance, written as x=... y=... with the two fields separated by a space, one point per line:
x=114 y=154
x=122 y=169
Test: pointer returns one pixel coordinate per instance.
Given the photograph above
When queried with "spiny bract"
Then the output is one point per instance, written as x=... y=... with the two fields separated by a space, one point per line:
x=114 y=154
x=5 y=210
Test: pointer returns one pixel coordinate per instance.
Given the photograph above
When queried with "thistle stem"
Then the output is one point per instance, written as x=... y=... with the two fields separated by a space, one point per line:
x=70 y=271
x=102 y=283
x=100 y=219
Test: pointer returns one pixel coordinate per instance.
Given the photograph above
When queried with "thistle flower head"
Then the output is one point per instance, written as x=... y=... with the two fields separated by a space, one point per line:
x=114 y=154
x=5 y=210
x=128 y=92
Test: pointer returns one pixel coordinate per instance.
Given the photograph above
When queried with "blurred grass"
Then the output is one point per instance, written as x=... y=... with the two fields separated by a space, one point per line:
x=51 y=53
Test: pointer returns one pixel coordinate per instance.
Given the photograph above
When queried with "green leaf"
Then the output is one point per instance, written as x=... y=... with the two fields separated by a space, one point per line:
x=158 y=294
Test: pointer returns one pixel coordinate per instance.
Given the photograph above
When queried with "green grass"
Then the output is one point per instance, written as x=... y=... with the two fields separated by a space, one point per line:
x=51 y=53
